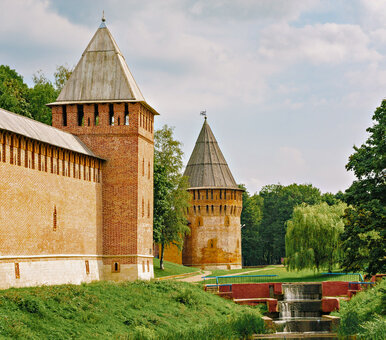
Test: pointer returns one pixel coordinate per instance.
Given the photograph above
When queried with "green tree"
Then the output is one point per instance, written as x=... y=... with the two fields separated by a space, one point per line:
x=13 y=92
x=279 y=202
x=251 y=216
x=364 y=237
x=313 y=236
x=41 y=94
x=62 y=74
x=171 y=198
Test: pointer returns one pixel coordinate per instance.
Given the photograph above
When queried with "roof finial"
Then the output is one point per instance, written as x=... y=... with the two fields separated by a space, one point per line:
x=103 y=16
x=203 y=113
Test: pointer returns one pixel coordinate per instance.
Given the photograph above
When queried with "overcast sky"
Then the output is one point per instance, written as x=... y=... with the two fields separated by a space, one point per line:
x=289 y=85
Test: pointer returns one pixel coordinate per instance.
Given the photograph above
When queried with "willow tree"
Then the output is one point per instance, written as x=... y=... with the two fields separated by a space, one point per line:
x=313 y=236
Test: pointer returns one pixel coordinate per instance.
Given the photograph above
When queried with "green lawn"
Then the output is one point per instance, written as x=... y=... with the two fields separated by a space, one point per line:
x=285 y=276
x=128 y=310
x=171 y=269
x=235 y=271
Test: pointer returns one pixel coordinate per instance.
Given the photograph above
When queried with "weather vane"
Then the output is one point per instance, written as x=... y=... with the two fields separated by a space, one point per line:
x=103 y=16
x=203 y=113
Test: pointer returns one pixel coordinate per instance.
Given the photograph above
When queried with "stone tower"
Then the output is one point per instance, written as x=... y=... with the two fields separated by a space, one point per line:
x=216 y=203
x=102 y=105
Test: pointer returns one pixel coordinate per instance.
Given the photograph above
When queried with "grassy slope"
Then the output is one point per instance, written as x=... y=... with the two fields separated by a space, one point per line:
x=286 y=276
x=137 y=310
x=365 y=314
x=171 y=269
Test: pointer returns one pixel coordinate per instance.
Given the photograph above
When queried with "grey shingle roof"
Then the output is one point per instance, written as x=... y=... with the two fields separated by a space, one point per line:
x=44 y=133
x=207 y=167
x=101 y=75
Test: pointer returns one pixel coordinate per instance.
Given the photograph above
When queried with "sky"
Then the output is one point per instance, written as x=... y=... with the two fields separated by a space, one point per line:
x=289 y=86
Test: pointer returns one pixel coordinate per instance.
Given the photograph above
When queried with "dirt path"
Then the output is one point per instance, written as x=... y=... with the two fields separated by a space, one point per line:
x=196 y=278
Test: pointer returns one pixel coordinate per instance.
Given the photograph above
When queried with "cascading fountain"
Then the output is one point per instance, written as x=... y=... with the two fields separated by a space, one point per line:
x=300 y=311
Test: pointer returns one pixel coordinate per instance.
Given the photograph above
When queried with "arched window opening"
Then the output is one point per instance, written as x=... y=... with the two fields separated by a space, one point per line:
x=126 y=114
x=64 y=115
x=80 y=115
x=111 y=114
x=96 y=115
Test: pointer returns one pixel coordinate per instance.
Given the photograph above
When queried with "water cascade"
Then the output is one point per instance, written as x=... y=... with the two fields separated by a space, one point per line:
x=300 y=311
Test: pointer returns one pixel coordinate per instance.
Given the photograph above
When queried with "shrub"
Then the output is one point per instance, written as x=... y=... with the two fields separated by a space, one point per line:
x=365 y=313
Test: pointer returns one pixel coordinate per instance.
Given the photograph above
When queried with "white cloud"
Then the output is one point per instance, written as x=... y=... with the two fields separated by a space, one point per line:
x=318 y=44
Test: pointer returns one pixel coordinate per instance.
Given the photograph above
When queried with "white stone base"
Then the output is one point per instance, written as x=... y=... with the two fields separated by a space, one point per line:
x=39 y=271
x=48 y=272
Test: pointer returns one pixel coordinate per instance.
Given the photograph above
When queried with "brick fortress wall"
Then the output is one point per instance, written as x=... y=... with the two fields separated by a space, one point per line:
x=50 y=214
x=215 y=239
x=122 y=134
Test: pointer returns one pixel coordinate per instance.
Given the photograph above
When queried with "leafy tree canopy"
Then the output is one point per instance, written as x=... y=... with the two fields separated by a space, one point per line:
x=13 y=92
x=170 y=191
x=313 y=236
x=251 y=216
x=365 y=220
x=279 y=202
x=15 y=96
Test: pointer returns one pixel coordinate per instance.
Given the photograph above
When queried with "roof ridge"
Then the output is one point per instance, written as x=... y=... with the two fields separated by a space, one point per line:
x=207 y=166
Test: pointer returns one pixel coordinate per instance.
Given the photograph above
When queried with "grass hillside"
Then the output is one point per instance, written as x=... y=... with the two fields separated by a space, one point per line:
x=172 y=269
x=136 y=310
x=365 y=314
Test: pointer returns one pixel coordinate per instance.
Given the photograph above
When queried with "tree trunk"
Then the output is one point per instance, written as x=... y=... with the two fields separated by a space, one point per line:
x=161 y=258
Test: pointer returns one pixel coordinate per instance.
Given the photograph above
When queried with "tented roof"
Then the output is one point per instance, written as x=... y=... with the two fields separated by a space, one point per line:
x=207 y=167
x=101 y=75
x=41 y=132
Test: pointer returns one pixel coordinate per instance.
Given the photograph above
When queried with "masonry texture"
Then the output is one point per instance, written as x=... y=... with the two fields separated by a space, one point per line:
x=215 y=208
x=76 y=200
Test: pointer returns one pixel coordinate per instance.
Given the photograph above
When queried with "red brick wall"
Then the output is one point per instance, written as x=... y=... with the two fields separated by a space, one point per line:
x=45 y=208
x=127 y=174
x=334 y=288
x=250 y=290
x=215 y=239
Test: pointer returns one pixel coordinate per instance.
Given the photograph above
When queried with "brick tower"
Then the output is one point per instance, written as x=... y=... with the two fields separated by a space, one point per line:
x=102 y=105
x=216 y=203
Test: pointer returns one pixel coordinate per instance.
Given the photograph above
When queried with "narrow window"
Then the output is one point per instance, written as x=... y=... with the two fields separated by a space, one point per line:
x=64 y=115
x=194 y=208
x=17 y=271
x=194 y=194
x=126 y=114
x=111 y=114
x=225 y=209
x=119 y=120
x=207 y=209
x=211 y=193
x=55 y=219
x=115 y=267
x=80 y=115
x=88 y=121
x=143 y=167
x=198 y=194
x=207 y=193
x=199 y=209
x=225 y=194
x=212 y=209
x=96 y=115
x=220 y=194
x=87 y=267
